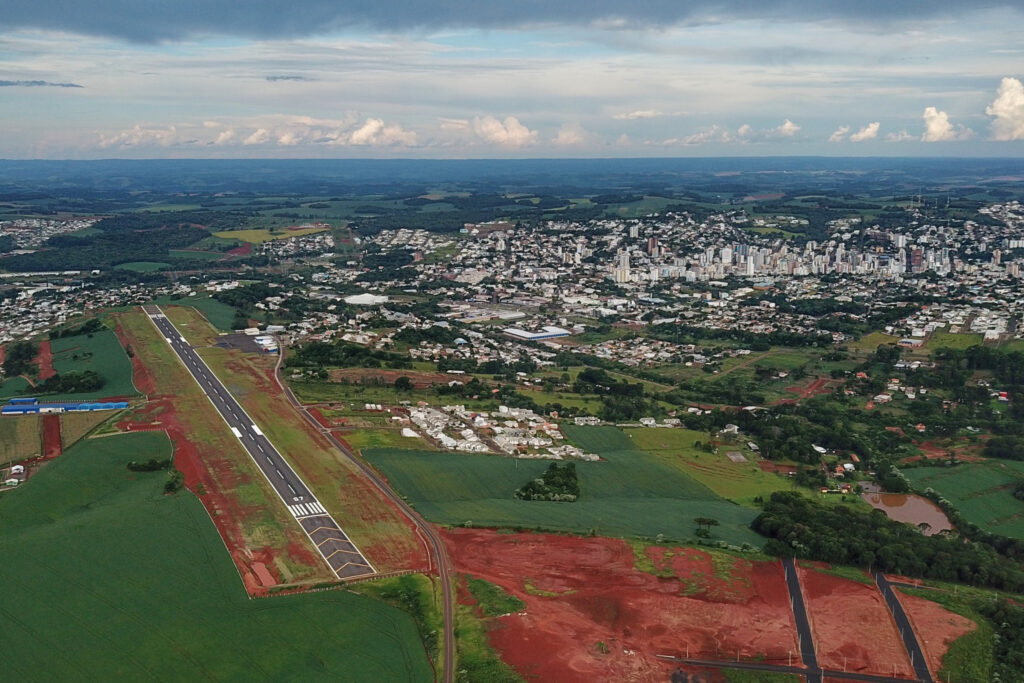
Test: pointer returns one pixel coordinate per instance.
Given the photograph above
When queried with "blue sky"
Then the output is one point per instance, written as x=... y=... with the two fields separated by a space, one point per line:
x=455 y=78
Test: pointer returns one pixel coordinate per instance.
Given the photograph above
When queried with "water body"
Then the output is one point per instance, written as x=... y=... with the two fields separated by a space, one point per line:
x=910 y=508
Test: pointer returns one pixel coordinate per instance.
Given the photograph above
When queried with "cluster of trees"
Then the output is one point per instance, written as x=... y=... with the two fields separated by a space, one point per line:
x=19 y=358
x=151 y=465
x=88 y=327
x=69 y=383
x=558 y=483
x=434 y=334
x=1008 y=646
x=798 y=526
x=682 y=334
x=246 y=296
x=1005 y=447
x=104 y=250
x=343 y=355
x=598 y=381
x=7 y=244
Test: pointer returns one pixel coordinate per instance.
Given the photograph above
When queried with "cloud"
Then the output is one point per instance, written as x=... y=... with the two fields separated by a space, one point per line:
x=289 y=77
x=507 y=133
x=570 y=134
x=840 y=133
x=1008 y=108
x=37 y=84
x=938 y=128
x=259 y=136
x=744 y=130
x=787 y=129
x=139 y=135
x=155 y=22
x=868 y=132
x=375 y=132
x=637 y=115
x=902 y=136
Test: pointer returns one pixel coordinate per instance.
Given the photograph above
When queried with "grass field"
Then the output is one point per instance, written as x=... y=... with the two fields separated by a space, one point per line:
x=109 y=579
x=142 y=266
x=261 y=236
x=219 y=314
x=189 y=255
x=20 y=438
x=869 y=342
x=982 y=492
x=738 y=482
x=12 y=386
x=630 y=493
x=940 y=340
x=100 y=352
x=73 y=426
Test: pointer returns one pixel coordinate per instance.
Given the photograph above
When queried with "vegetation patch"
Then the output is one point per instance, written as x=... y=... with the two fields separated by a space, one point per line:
x=491 y=599
x=558 y=484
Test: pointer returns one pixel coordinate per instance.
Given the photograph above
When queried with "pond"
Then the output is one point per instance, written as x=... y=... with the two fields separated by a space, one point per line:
x=910 y=508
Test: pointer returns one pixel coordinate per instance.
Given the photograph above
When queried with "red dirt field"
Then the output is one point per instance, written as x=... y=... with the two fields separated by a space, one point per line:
x=936 y=627
x=583 y=591
x=816 y=388
x=52 y=444
x=44 y=361
x=852 y=627
x=243 y=250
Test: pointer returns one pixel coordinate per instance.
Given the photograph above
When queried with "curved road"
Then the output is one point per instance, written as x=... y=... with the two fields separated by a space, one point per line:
x=425 y=530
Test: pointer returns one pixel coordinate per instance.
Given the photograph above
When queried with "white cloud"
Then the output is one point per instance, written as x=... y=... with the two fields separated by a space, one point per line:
x=868 y=132
x=376 y=132
x=258 y=137
x=454 y=124
x=788 y=129
x=902 y=136
x=1008 y=108
x=138 y=135
x=938 y=127
x=507 y=133
x=640 y=114
x=744 y=130
x=571 y=134
x=840 y=133
x=224 y=137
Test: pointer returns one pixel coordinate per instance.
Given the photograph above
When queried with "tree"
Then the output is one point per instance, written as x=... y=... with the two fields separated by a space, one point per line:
x=403 y=383
x=705 y=522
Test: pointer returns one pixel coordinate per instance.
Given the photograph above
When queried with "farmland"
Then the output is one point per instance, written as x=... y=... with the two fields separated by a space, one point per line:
x=262 y=235
x=100 y=352
x=152 y=594
x=629 y=493
x=738 y=482
x=21 y=438
x=982 y=492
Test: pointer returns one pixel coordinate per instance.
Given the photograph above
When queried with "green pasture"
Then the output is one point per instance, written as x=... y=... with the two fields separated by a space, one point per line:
x=142 y=266
x=629 y=493
x=982 y=492
x=109 y=579
x=100 y=352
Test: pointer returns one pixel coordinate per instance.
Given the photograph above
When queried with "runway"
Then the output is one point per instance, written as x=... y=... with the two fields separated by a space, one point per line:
x=338 y=551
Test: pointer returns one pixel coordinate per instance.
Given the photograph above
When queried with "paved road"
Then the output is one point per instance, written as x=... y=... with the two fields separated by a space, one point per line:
x=338 y=551
x=906 y=630
x=803 y=624
x=427 y=531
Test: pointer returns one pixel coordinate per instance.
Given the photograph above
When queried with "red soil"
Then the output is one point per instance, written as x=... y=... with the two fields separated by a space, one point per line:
x=319 y=417
x=52 y=444
x=44 y=361
x=3 y=354
x=769 y=466
x=243 y=250
x=582 y=591
x=815 y=388
x=852 y=626
x=936 y=627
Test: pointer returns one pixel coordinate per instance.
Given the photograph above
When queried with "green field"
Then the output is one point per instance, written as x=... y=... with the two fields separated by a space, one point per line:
x=738 y=482
x=219 y=314
x=142 y=266
x=260 y=236
x=940 y=340
x=188 y=255
x=982 y=492
x=100 y=352
x=13 y=386
x=109 y=579
x=20 y=438
x=630 y=493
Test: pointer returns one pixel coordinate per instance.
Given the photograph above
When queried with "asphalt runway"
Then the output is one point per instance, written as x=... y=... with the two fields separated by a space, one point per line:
x=340 y=553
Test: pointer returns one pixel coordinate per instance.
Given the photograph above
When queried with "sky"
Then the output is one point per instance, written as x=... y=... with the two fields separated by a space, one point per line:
x=525 y=79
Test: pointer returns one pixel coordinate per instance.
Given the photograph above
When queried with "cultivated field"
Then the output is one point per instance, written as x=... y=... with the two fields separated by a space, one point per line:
x=20 y=437
x=100 y=352
x=261 y=236
x=738 y=482
x=982 y=492
x=629 y=493
x=108 y=579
